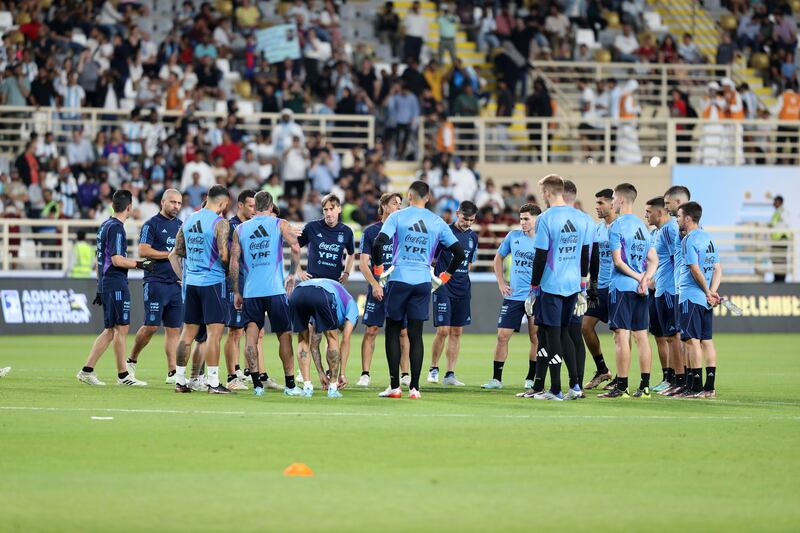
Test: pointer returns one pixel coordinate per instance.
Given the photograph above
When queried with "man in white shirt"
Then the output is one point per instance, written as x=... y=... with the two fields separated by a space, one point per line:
x=464 y=183
x=589 y=127
x=556 y=24
x=285 y=130
x=415 y=26
x=200 y=166
x=626 y=45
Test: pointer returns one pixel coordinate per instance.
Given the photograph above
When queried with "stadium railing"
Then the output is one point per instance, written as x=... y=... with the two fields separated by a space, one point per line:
x=656 y=80
x=659 y=140
x=17 y=123
x=29 y=247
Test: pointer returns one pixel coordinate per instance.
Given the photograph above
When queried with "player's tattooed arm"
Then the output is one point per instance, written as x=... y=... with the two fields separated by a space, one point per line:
x=234 y=263
x=289 y=233
x=177 y=255
x=221 y=233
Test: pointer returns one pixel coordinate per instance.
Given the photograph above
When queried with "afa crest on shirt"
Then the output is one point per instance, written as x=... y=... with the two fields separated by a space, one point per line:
x=340 y=237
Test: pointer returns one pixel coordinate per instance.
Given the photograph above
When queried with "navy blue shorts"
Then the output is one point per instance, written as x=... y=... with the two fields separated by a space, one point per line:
x=695 y=321
x=277 y=307
x=202 y=334
x=163 y=304
x=653 y=324
x=450 y=311
x=312 y=305
x=235 y=316
x=511 y=313
x=627 y=310
x=374 y=311
x=116 y=308
x=206 y=304
x=407 y=302
x=554 y=310
x=600 y=309
x=667 y=311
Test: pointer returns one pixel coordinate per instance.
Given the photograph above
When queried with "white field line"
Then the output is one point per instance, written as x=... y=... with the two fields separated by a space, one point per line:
x=373 y=414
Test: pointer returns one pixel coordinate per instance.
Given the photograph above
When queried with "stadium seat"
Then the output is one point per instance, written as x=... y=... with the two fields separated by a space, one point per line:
x=652 y=19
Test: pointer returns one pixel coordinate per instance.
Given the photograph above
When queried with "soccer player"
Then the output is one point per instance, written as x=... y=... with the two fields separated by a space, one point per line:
x=665 y=297
x=203 y=244
x=163 y=301
x=676 y=196
x=635 y=262
x=257 y=252
x=416 y=233
x=560 y=270
x=374 y=310
x=519 y=244
x=112 y=292
x=331 y=249
x=326 y=305
x=600 y=266
x=701 y=274
x=575 y=325
x=451 y=302
x=245 y=205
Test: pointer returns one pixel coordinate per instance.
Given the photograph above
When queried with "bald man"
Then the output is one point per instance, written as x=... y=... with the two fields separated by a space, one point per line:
x=163 y=302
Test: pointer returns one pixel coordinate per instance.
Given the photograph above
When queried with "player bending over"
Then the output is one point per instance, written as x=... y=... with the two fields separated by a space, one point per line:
x=325 y=304
x=416 y=233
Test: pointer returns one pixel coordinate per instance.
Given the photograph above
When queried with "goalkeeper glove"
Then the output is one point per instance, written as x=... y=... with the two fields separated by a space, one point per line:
x=146 y=264
x=531 y=300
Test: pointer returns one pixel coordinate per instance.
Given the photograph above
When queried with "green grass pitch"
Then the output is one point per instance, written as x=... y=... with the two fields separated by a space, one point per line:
x=457 y=460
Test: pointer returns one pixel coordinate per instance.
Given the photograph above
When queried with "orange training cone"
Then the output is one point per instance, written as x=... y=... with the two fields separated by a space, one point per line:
x=298 y=470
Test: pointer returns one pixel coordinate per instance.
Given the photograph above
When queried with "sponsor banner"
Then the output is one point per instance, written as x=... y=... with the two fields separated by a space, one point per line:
x=63 y=306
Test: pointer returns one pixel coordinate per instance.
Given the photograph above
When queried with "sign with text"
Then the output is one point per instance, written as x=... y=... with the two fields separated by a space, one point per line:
x=278 y=43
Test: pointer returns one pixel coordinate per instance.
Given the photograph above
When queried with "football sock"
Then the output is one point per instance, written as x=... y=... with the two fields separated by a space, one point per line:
x=431 y=369
x=580 y=350
x=449 y=374
x=531 y=370
x=122 y=375
x=711 y=373
x=237 y=368
x=600 y=363
x=570 y=358
x=497 y=370
x=645 y=381
x=403 y=374
x=698 y=380
x=550 y=354
x=231 y=377
x=213 y=376
x=263 y=376
x=669 y=375
x=180 y=375
x=88 y=369
x=664 y=374
x=622 y=383
x=416 y=351
x=131 y=360
x=393 y=328
x=170 y=373
x=289 y=380
x=256 y=380
x=365 y=373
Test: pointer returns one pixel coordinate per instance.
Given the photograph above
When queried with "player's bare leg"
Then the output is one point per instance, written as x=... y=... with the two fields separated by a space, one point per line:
x=677 y=360
x=304 y=357
x=99 y=346
x=367 y=352
x=142 y=339
x=500 y=356
x=251 y=356
x=694 y=377
x=453 y=347
x=233 y=348
x=710 y=361
x=334 y=358
x=182 y=353
x=592 y=341
x=285 y=352
x=439 y=343
x=622 y=346
x=171 y=337
x=212 y=352
x=405 y=347
x=645 y=362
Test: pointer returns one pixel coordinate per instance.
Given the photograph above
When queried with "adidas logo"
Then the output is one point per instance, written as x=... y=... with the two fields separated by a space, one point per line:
x=196 y=228
x=710 y=249
x=639 y=235
x=319 y=235
x=163 y=231
x=259 y=232
x=419 y=227
x=569 y=227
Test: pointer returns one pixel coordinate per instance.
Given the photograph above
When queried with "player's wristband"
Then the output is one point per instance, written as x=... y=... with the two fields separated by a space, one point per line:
x=140 y=265
x=445 y=277
x=583 y=286
x=377 y=270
